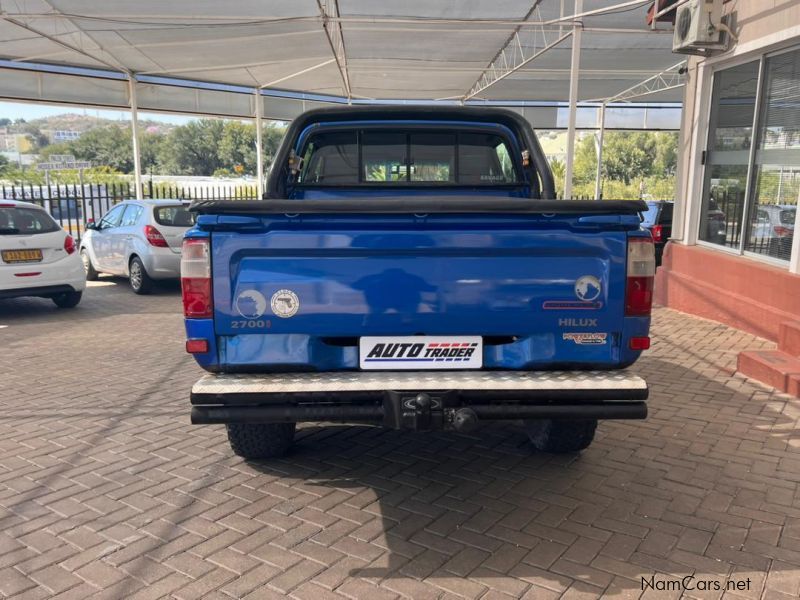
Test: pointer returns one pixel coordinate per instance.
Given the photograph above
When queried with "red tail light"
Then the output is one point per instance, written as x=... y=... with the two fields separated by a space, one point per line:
x=782 y=231
x=69 y=244
x=641 y=272
x=640 y=343
x=658 y=233
x=154 y=237
x=196 y=279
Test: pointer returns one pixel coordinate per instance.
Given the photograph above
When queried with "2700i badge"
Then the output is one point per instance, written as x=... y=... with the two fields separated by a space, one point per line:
x=421 y=352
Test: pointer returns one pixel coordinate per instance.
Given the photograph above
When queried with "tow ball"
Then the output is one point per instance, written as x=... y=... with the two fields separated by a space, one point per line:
x=426 y=411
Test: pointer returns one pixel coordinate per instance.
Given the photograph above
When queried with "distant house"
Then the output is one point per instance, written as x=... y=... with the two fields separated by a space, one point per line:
x=15 y=142
x=63 y=135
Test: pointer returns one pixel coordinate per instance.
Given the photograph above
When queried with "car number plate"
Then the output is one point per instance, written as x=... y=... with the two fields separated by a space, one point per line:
x=21 y=256
x=420 y=352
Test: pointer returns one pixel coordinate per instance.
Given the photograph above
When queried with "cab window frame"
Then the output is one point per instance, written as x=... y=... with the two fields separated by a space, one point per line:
x=522 y=173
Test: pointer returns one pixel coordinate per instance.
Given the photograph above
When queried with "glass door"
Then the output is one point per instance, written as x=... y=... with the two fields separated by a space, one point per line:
x=776 y=166
x=728 y=154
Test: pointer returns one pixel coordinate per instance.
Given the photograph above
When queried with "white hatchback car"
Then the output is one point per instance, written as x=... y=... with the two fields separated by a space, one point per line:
x=138 y=239
x=37 y=257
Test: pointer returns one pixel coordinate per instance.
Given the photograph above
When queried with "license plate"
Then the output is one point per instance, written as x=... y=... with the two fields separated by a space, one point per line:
x=21 y=256
x=421 y=352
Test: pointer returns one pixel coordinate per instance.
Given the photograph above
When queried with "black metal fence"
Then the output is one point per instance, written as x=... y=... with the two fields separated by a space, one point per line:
x=72 y=205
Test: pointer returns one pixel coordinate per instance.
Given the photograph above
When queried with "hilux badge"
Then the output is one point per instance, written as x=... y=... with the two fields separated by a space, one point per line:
x=587 y=288
x=285 y=303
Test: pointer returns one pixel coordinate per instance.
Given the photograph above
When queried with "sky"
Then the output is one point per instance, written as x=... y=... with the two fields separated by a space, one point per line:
x=21 y=110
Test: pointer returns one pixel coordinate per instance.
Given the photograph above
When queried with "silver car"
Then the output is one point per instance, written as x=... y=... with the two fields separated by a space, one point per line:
x=138 y=239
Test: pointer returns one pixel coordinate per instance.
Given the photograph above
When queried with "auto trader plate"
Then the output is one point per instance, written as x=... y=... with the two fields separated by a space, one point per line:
x=21 y=256
x=421 y=352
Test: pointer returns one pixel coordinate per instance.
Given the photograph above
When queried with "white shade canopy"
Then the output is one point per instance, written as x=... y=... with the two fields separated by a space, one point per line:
x=361 y=49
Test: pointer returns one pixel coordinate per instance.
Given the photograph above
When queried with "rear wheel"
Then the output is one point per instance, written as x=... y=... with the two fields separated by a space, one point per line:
x=141 y=282
x=561 y=436
x=67 y=299
x=91 y=272
x=260 y=440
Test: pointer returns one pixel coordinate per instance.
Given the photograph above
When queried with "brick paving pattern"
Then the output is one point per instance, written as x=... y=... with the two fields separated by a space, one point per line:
x=106 y=491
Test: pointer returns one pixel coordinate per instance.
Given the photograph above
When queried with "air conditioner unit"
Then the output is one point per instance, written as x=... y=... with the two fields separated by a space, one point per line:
x=698 y=27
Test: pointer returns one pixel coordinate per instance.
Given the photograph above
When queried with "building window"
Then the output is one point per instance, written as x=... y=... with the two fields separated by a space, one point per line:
x=750 y=193
x=727 y=156
x=776 y=169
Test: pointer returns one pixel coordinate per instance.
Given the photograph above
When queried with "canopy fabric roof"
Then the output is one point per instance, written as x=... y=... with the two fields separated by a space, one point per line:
x=415 y=49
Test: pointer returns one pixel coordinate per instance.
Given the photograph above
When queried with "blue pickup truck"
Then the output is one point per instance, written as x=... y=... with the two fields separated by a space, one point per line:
x=410 y=267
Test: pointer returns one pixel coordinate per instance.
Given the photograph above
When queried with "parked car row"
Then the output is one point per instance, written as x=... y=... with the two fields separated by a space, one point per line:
x=137 y=239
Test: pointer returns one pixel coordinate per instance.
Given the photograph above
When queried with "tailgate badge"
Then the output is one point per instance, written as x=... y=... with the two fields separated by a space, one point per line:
x=251 y=304
x=285 y=303
x=587 y=288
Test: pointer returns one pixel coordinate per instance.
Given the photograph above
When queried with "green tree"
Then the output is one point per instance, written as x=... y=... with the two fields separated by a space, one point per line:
x=191 y=149
x=272 y=137
x=150 y=148
x=585 y=169
x=238 y=146
x=629 y=156
x=35 y=135
x=558 y=168
x=108 y=146
x=666 y=161
x=4 y=165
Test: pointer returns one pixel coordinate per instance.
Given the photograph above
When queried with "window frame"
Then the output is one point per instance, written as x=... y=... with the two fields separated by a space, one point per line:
x=714 y=68
x=121 y=208
x=408 y=129
x=138 y=208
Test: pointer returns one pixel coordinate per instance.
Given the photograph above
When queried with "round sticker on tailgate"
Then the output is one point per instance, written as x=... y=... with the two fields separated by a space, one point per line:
x=285 y=303
x=251 y=304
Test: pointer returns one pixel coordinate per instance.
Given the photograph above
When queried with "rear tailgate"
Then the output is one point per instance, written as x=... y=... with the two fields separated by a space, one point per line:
x=541 y=290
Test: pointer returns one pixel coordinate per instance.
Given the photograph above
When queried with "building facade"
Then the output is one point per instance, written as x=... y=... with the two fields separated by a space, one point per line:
x=735 y=257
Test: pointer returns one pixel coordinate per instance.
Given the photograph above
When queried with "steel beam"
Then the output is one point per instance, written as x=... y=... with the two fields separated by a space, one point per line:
x=259 y=143
x=574 y=76
x=137 y=161
x=598 y=180
x=329 y=11
x=298 y=73
x=521 y=47
x=668 y=79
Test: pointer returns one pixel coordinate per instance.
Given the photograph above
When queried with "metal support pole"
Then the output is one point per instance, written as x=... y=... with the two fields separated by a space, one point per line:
x=598 y=181
x=259 y=145
x=137 y=161
x=575 y=65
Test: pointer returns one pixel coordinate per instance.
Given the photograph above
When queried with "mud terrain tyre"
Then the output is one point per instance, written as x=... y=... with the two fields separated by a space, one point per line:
x=561 y=436
x=260 y=440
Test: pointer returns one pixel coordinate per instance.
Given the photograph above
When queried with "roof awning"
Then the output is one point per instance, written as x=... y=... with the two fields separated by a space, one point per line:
x=357 y=49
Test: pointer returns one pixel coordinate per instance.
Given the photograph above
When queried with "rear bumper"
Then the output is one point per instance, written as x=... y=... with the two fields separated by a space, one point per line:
x=162 y=263
x=418 y=400
x=23 y=279
x=45 y=291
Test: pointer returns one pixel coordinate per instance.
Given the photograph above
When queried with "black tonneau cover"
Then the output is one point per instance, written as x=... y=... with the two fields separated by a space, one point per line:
x=420 y=205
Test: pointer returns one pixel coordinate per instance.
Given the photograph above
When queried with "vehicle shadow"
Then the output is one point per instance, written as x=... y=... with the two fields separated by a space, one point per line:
x=667 y=497
x=108 y=296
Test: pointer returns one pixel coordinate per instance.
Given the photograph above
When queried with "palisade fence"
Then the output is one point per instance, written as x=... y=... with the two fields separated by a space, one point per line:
x=72 y=205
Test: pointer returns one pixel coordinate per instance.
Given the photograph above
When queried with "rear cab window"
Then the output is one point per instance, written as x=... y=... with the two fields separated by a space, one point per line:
x=415 y=156
x=176 y=215
x=651 y=214
x=20 y=220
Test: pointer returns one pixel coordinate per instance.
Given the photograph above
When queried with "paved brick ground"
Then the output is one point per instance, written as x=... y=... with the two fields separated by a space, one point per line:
x=107 y=491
